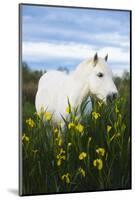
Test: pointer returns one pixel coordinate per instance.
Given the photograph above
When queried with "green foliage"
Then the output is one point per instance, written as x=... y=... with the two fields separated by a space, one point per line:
x=29 y=75
x=30 y=82
x=50 y=152
x=81 y=154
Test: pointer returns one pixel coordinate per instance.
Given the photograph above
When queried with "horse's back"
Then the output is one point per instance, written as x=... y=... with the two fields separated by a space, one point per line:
x=51 y=78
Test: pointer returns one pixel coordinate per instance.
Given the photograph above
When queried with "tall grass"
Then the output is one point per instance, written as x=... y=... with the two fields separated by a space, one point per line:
x=83 y=154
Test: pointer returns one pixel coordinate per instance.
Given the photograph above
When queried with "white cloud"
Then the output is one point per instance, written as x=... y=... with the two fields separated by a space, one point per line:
x=55 y=50
x=103 y=34
x=95 y=19
x=40 y=51
x=110 y=38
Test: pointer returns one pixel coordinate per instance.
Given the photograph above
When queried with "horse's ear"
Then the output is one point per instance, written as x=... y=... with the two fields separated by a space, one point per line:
x=106 y=57
x=95 y=59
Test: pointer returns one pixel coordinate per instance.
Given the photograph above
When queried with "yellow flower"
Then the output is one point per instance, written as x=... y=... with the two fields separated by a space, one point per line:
x=30 y=122
x=62 y=151
x=100 y=151
x=59 y=140
x=61 y=156
x=108 y=128
x=98 y=163
x=59 y=162
x=55 y=130
x=82 y=156
x=116 y=109
x=68 y=110
x=81 y=171
x=25 y=138
x=66 y=178
x=79 y=128
x=100 y=103
x=71 y=125
x=95 y=115
x=48 y=116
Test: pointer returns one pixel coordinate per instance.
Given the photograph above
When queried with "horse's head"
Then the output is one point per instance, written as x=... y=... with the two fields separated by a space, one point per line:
x=100 y=79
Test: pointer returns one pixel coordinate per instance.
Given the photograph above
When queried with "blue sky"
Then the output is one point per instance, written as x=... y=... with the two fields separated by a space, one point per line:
x=54 y=37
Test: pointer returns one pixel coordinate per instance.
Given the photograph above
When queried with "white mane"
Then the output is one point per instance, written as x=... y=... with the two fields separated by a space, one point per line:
x=55 y=87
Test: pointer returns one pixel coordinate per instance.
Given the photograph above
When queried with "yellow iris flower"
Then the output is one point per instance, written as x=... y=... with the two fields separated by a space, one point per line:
x=47 y=116
x=95 y=115
x=100 y=103
x=68 y=110
x=71 y=125
x=100 y=151
x=98 y=163
x=30 y=123
x=79 y=128
x=61 y=156
x=66 y=178
x=81 y=171
x=25 y=138
x=82 y=156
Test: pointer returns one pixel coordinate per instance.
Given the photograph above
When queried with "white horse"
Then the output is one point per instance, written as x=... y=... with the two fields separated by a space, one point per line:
x=92 y=76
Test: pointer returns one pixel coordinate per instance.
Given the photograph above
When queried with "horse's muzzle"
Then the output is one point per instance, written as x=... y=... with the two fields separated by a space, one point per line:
x=111 y=97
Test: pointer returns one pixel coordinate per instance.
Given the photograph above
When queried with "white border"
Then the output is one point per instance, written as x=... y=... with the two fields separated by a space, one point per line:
x=9 y=97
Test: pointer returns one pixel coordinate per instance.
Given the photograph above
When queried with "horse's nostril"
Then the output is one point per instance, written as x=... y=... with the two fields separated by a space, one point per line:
x=111 y=97
x=114 y=95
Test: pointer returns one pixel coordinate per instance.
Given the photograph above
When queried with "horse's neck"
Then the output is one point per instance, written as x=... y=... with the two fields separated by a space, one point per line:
x=81 y=89
x=82 y=71
x=82 y=93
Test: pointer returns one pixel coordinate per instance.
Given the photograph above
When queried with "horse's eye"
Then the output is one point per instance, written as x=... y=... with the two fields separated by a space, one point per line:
x=100 y=74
